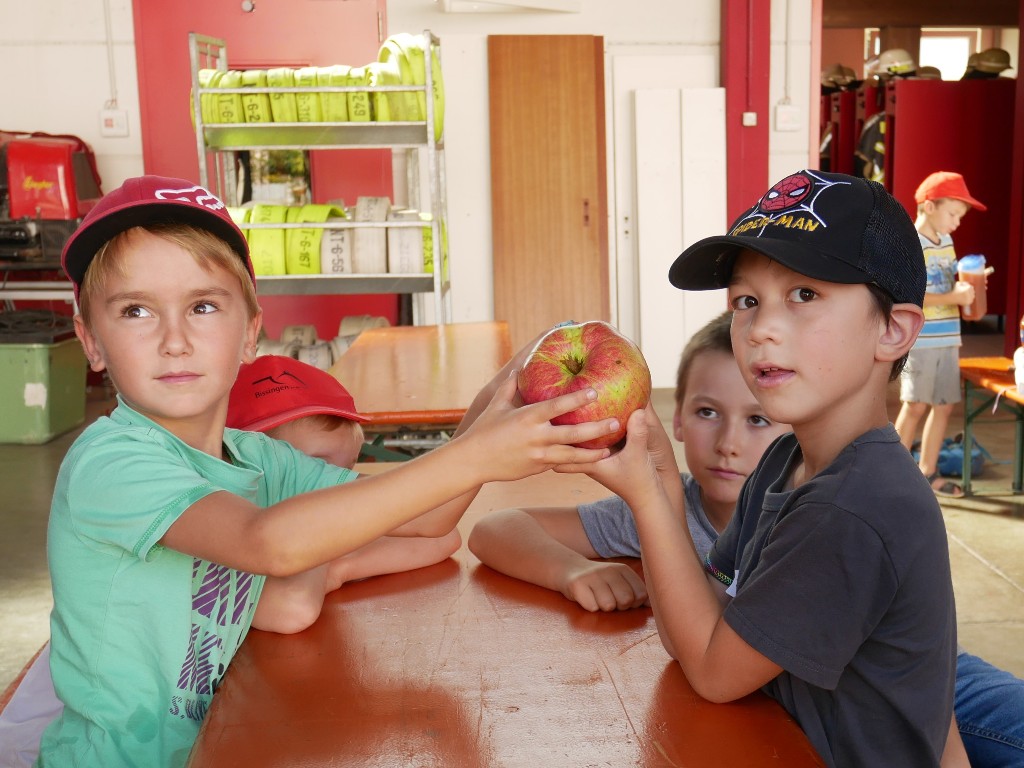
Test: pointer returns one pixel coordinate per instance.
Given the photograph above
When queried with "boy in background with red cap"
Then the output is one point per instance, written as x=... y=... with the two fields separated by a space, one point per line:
x=930 y=383
x=164 y=524
x=310 y=410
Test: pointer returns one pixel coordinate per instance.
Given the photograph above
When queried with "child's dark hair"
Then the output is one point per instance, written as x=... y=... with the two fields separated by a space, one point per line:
x=713 y=337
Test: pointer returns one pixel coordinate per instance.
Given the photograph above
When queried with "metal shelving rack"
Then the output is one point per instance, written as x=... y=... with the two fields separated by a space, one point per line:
x=216 y=143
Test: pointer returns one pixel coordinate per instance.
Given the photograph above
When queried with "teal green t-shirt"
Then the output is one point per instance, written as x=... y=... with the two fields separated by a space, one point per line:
x=142 y=635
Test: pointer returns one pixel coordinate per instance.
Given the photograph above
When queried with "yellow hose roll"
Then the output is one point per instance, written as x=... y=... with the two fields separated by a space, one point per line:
x=266 y=246
x=257 y=106
x=333 y=106
x=238 y=214
x=403 y=103
x=358 y=101
x=206 y=100
x=302 y=246
x=282 y=105
x=229 y=105
x=438 y=82
x=415 y=49
x=307 y=104
x=411 y=47
x=378 y=74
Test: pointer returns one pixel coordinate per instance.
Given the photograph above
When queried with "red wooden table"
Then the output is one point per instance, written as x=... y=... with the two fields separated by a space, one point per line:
x=424 y=375
x=457 y=665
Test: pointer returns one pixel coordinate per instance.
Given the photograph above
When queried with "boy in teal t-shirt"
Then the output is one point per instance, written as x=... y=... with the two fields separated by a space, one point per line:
x=164 y=523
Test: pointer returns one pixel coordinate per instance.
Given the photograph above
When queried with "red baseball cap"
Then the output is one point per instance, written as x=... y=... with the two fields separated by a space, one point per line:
x=146 y=200
x=274 y=389
x=946 y=184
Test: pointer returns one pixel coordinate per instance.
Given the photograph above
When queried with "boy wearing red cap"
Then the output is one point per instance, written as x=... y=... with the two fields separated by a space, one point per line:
x=930 y=383
x=310 y=410
x=164 y=524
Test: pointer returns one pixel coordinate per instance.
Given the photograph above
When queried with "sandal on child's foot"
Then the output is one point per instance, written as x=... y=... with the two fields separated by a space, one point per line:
x=946 y=487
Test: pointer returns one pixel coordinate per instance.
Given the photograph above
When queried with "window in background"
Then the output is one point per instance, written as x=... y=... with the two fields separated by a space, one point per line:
x=948 y=49
x=944 y=47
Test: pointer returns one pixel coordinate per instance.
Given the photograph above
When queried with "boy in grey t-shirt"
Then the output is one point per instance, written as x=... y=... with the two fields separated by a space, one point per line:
x=723 y=430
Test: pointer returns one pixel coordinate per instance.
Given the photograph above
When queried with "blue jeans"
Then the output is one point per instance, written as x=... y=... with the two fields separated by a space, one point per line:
x=989 y=706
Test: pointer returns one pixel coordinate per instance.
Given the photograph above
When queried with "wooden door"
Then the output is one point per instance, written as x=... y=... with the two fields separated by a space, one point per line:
x=548 y=181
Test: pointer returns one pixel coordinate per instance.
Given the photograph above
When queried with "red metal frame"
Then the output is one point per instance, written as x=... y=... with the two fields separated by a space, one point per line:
x=745 y=67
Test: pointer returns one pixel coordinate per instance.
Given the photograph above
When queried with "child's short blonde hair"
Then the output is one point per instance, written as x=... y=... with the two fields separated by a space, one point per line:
x=206 y=248
x=713 y=337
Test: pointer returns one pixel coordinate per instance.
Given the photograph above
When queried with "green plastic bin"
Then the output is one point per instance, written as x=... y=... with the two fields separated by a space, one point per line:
x=42 y=389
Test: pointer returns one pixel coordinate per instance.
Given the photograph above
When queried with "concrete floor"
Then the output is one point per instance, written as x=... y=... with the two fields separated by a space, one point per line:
x=986 y=539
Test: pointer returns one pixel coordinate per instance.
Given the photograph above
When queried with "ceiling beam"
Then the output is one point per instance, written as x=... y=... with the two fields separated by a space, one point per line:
x=920 y=13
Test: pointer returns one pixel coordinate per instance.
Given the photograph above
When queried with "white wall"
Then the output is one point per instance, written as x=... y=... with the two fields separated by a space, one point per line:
x=651 y=24
x=790 y=80
x=58 y=62
x=56 y=54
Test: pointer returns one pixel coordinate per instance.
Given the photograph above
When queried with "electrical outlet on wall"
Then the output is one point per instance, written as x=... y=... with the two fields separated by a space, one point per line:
x=113 y=123
x=787 y=117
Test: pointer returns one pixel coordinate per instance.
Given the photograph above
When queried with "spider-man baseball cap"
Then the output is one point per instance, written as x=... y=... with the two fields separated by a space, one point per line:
x=274 y=389
x=144 y=201
x=828 y=226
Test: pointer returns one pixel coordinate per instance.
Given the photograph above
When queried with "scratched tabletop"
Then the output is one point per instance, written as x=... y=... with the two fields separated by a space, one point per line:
x=457 y=665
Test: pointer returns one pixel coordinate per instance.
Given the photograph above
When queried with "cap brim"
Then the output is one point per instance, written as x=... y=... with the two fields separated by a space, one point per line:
x=708 y=263
x=86 y=241
x=269 y=422
x=971 y=202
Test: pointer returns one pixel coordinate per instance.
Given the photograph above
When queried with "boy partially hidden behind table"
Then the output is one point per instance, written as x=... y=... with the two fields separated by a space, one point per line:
x=164 y=523
x=310 y=410
x=830 y=589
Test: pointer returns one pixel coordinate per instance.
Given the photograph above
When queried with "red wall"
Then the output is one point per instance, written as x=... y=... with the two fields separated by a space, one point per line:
x=1015 y=237
x=745 y=67
x=276 y=33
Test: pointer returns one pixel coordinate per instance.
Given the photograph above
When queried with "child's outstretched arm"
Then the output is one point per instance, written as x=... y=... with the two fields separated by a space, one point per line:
x=549 y=547
x=391 y=554
x=717 y=662
x=504 y=443
x=426 y=524
x=290 y=604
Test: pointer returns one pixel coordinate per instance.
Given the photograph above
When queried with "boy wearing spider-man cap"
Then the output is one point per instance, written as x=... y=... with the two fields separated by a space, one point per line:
x=830 y=588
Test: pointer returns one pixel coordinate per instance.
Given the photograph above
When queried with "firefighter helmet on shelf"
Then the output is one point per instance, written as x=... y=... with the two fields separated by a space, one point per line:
x=893 y=61
x=993 y=60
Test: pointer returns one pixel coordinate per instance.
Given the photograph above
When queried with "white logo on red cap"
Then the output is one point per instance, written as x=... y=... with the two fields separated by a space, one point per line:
x=197 y=195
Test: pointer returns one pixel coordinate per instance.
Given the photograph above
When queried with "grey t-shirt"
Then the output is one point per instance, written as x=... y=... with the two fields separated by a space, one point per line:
x=844 y=582
x=611 y=529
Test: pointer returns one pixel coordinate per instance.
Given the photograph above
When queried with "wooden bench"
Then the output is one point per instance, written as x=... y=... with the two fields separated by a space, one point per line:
x=989 y=383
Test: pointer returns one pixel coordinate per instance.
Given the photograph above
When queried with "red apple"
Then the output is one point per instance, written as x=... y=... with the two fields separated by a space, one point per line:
x=591 y=354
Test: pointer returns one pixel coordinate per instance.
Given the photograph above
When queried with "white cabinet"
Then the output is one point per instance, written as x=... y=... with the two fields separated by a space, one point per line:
x=217 y=143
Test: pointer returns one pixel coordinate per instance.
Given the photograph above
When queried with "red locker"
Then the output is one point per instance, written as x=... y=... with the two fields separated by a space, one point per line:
x=964 y=126
x=844 y=139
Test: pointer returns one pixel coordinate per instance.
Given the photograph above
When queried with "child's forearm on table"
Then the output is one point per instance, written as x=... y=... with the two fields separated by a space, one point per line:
x=515 y=544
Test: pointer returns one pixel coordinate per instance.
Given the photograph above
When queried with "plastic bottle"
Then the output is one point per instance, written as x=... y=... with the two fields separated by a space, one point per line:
x=972 y=270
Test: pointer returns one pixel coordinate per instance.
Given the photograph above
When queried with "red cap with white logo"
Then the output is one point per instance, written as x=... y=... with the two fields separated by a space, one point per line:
x=143 y=201
x=275 y=389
